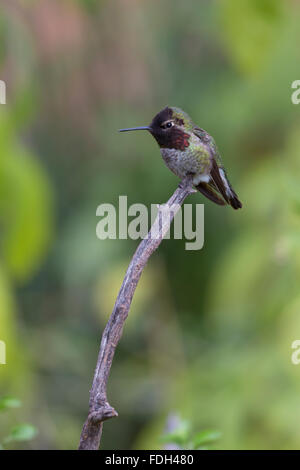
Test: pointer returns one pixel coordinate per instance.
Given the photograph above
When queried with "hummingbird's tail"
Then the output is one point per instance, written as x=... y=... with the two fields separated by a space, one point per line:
x=218 y=189
x=234 y=201
x=221 y=183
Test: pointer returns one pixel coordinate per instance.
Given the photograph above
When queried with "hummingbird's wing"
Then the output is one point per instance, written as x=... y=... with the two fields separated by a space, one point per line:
x=222 y=184
x=219 y=180
x=208 y=192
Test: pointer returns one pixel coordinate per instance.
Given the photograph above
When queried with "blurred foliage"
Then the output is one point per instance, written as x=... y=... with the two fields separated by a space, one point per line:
x=25 y=205
x=210 y=332
x=182 y=437
x=20 y=432
x=255 y=23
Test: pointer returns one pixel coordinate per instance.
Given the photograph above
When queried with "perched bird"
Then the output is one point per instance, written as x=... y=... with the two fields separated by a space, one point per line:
x=189 y=150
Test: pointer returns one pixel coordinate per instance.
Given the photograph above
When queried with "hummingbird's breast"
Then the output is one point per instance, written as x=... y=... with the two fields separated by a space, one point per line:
x=190 y=160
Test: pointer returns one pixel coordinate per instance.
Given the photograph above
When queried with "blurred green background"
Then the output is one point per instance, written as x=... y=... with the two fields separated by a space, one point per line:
x=209 y=333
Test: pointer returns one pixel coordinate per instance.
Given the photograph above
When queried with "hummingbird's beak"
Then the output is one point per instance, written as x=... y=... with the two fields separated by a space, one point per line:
x=143 y=128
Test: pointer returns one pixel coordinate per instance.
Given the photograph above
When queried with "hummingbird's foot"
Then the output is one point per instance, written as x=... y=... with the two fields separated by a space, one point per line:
x=187 y=183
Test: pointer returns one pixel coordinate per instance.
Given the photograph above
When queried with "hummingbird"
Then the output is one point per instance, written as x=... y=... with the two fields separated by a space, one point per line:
x=189 y=150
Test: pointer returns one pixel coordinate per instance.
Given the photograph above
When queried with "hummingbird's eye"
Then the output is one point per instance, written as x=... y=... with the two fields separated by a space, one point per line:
x=167 y=125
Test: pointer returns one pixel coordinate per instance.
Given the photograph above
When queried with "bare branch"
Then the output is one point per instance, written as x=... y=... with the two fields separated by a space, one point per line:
x=99 y=408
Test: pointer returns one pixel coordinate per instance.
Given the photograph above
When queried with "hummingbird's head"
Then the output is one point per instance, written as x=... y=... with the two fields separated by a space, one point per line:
x=171 y=128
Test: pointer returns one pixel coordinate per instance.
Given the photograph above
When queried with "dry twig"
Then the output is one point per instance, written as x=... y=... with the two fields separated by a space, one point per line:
x=99 y=408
